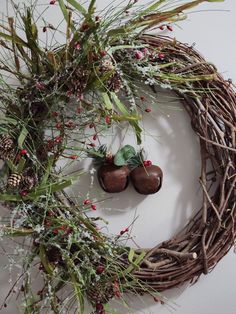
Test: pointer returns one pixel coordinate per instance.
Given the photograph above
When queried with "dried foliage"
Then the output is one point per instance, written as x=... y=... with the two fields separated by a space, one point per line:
x=211 y=233
x=64 y=90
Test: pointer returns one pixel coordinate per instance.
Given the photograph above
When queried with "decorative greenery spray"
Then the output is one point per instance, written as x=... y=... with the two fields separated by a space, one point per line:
x=63 y=90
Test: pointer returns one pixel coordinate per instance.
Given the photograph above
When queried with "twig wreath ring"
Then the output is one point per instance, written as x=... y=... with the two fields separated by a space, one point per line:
x=66 y=91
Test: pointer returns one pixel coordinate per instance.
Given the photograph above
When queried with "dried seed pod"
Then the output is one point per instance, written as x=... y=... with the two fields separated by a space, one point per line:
x=114 y=83
x=14 y=180
x=54 y=255
x=99 y=295
x=107 y=66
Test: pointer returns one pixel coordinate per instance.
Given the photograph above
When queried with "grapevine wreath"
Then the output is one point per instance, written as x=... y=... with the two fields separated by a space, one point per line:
x=91 y=82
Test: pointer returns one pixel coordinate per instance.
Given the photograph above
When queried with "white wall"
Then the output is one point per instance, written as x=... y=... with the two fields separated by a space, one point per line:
x=176 y=150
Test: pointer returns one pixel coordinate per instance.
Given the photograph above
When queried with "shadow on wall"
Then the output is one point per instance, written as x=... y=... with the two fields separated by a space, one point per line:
x=170 y=142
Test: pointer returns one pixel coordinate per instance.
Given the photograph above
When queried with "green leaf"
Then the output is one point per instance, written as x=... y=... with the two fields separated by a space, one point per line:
x=64 y=10
x=48 y=170
x=22 y=137
x=9 y=231
x=150 y=17
x=42 y=190
x=107 y=101
x=79 y=294
x=11 y=166
x=92 y=7
x=78 y=7
x=16 y=39
x=21 y=165
x=51 y=188
x=10 y=197
x=124 y=155
x=152 y=7
x=122 y=47
x=44 y=260
x=125 y=112
x=7 y=120
x=131 y=255
x=134 y=264
x=139 y=258
x=138 y=131
x=70 y=24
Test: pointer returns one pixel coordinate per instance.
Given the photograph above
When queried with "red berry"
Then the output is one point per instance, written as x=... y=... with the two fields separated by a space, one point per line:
x=77 y=46
x=139 y=55
x=161 y=55
x=91 y=125
x=108 y=120
x=69 y=93
x=80 y=96
x=103 y=53
x=52 y=2
x=58 y=139
x=100 y=269
x=73 y=157
x=147 y=163
x=148 y=110
x=23 y=193
x=50 y=144
x=87 y=202
x=23 y=152
x=95 y=137
x=70 y=124
x=142 y=98
x=50 y=213
x=40 y=86
x=99 y=307
x=92 y=145
x=162 y=27
x=47 y=223
x=84 y=27
x=41 y=267
x=55 y=114
x=145 y=51
x=116 y=289
x=94 y=207
x=58 y=126
x=170 y=28
x=124 y=231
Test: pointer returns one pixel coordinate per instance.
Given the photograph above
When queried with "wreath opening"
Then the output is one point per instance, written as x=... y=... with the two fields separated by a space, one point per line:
x=66 y=89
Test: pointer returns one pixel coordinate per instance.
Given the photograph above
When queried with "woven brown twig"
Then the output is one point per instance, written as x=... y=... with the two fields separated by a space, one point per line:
x=211 y=233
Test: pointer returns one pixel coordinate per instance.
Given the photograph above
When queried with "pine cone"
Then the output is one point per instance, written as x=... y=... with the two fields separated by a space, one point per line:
x=53 y=254
x=7 y=155
x=114 y=83
x=6 y=143
x=107 y=66
x=29 y=182
x=6 y=147
x=100 y=294
x=14 y=180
